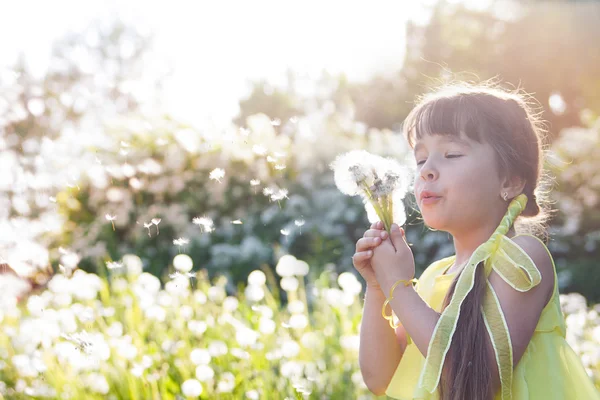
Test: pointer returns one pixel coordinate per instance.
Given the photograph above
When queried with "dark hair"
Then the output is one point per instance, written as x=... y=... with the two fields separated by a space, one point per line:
x=507 y=121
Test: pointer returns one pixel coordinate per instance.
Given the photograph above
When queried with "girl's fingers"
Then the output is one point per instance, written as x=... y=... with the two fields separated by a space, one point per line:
x=376 y=233
x=364 y=244
x=361 y=255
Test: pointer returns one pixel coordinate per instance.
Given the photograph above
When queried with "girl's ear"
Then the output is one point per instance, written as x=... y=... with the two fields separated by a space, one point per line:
x=513 y=186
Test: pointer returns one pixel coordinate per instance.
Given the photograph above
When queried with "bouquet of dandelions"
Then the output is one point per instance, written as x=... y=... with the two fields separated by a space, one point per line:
x=381 y=182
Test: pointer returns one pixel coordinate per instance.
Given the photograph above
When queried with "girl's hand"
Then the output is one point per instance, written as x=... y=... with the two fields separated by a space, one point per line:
x=389 y=264
x=364 y=250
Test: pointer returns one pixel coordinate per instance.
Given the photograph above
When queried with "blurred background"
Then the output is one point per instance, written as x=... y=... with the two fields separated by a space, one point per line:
x=134 y=132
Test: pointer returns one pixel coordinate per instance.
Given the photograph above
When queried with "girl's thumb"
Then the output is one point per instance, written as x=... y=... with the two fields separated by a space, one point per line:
x=397 y=234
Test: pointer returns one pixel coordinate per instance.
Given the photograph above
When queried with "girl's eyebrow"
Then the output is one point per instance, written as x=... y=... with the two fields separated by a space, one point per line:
x=446 y=138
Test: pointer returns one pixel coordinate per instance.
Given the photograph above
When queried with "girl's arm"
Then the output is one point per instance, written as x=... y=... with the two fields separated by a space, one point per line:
x=380 y=347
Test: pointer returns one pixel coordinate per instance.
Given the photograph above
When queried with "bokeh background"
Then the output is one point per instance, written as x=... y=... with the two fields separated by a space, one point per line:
x=169 y=225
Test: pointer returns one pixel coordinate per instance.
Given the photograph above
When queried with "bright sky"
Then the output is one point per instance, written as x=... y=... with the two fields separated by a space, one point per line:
x=217 y=47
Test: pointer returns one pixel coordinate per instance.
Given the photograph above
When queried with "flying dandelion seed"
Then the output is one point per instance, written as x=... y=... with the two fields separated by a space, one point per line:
x=125 y=144
x=66 y=271
x=52 y=199
x=285 y=232
x=280 y=195
x=161 y=141
x=112 y=219
x=205 y=223
x=123 y=152
x=114 y=265
x=293 y=120
x=254 y=183
x=97 y=160
x=280 y=167
x=181 y=242
x=156 y=221
x=237 y=222
x=299 y=223
x=217 y=174
x=271 y=159
x=276 y=122
x=268 y=191
x=279 y=154
x=147 y=226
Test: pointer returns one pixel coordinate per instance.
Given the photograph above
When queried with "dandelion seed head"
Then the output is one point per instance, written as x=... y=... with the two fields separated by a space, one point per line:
x=351 y=168
x=285 y=232
x=204 y=222
x=299 y=222
x=110 y=217
x=147 y=224
x=156 y=221
x=254 y=182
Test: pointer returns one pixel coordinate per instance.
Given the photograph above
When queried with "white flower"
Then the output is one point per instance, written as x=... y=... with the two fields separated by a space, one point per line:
x=191 y=388
x=227 y=383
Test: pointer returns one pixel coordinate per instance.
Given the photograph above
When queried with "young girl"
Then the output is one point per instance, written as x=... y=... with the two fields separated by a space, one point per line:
x=485 y=323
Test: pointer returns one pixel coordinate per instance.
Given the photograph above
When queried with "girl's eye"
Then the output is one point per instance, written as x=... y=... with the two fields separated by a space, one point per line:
x=447 y=156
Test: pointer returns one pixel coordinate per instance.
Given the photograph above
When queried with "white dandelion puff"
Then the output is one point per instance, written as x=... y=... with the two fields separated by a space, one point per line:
x=217 y=174
x=381 y=182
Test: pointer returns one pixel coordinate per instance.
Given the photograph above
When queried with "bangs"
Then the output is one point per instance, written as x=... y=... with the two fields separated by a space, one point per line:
x=449 y=116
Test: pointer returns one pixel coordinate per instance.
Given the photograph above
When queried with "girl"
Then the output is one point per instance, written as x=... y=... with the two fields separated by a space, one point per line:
x=485 y=323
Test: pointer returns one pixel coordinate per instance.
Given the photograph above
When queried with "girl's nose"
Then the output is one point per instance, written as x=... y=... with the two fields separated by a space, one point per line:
x=428 y=172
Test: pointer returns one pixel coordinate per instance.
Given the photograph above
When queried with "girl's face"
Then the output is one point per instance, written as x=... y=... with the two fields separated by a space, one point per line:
x=461 y=176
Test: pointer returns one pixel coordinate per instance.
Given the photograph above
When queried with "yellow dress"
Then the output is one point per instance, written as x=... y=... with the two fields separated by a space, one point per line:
x=549 y=369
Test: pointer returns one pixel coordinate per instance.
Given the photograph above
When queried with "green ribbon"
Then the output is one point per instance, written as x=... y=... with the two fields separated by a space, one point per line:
x=513 y=265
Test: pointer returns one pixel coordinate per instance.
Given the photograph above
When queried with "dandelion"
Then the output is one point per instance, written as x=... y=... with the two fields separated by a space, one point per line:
x=205 y=223
x=156 y=221
x=381 y=182
x=217 y=174
x=112 y=219
x=237 y=222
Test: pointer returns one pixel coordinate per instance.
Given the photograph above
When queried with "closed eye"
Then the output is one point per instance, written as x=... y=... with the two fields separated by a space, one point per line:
x=447 y=156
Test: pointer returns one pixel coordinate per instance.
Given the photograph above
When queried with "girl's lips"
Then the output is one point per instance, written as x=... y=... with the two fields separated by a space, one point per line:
x=430 y=200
